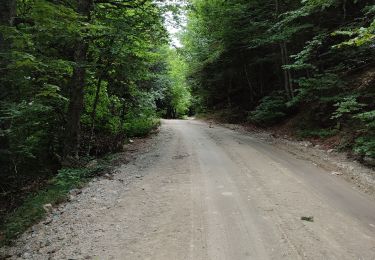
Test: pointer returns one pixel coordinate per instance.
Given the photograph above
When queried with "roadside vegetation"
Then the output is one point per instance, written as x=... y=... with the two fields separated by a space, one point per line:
x=78 y=79
x=35 y=206
x=308 y=64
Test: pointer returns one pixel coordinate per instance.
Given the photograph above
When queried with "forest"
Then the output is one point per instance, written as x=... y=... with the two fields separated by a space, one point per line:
x=80 y=78
x=306 y=64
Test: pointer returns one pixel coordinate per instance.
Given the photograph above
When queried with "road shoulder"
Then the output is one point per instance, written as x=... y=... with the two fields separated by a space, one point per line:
x=336 y=163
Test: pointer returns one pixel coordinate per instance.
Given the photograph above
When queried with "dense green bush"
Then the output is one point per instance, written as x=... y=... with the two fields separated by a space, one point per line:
x=271 y=110
x=365 y=144
x=142 y=125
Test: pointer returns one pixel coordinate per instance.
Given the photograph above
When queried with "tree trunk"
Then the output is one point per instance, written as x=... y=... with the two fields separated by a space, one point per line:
x=286 y=81
x=73 y=127
x=287 y=75
x=250 y=85
x=229 y=90
x=93 y=113
x=7 y=12
x=75 y=108
x=288 y=86
x=261 y=78
x=7 y=15
x=123 y=115
x=290 y=79
x=344 y=10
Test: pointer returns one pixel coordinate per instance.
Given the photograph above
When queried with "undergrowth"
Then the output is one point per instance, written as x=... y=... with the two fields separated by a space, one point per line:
x=139 y=127
x=271 y=110
x=32 y=211
x=321 y=133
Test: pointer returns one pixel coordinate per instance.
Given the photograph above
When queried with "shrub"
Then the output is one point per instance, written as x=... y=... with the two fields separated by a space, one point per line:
x=365 y=146
x=321 y=133
x=141 y=127
x=271 y=110
x=348 y=105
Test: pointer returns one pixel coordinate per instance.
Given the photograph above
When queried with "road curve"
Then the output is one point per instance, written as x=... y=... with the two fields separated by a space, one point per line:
x=213 y=193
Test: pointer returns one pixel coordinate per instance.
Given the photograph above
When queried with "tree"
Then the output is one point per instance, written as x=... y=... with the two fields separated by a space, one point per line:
x=75 y=108
x=268 y=60
x=7 y=12
x=177 y=96
x=77 y=79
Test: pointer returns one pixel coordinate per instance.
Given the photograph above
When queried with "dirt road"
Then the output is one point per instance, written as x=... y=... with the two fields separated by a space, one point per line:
x=210 y=193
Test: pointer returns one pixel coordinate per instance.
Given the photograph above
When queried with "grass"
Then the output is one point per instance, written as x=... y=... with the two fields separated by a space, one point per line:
x=321 y=133
x=31 y=211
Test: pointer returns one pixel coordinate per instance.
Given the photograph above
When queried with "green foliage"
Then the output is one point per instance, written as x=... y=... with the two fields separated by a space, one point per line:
x=105 y=75
x=320 y=88
x=365 y=146
x=138 y=127
x=360 y=35
x=241 y=52
x=31 y=134
x=368 y=118
x=348 y=105
x=177 y=93
x=109 y=91
x=270 y=111
x=32 y=209
x=36 y=84
x=321 y=133
x=303 y=59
